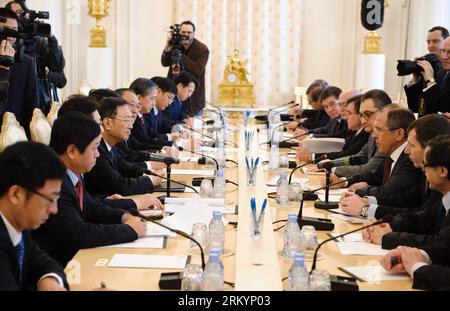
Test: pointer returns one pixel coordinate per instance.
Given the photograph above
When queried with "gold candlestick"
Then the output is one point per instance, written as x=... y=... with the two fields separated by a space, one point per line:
x=98 y=9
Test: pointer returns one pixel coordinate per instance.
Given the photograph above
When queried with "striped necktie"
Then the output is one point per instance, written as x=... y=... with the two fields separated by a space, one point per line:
x=20 y=249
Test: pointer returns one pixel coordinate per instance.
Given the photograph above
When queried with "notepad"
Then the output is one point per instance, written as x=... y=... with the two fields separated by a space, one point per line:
x=154 y=230
x=148 y=261
x=373 y=273
x=354 y=244
x=305 y=170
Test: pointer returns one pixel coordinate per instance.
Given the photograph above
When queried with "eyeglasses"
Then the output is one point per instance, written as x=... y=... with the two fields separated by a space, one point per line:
x=51 y=200
x=378 y=130
x=127 y=121
x=445 y=52
x=367 y=114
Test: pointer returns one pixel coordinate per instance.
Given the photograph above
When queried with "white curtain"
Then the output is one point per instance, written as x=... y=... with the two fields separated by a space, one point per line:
x=266 y=32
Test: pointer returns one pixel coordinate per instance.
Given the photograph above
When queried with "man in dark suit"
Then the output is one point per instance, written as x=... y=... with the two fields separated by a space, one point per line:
x=423 y=265
x=146 y=91
x=82 y=222
x=158 y=124
x=193 y=60
x=336 y=127
x=430 y=92
x=420 y=132
x=88 y=106
x=397 y=182
x=29 y=189
x=431 y=223
x=356 y=136
x=371 y=103
x=22 y=77
x=113 y=174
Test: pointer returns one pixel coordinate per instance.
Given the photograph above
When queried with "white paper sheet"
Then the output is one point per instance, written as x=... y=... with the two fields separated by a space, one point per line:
x=213 y=149
x=374 y=274
x=193 y=172
x=229 y=209
x=354 y=244
x=331 y=198
x=158 y=231
x=144 y=242
x=196 y=210
x=148 y=261
x=181 y=201
x=189 y=190
x=349 y=219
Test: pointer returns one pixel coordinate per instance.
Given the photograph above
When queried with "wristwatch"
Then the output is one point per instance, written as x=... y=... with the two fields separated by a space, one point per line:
x=364 y=211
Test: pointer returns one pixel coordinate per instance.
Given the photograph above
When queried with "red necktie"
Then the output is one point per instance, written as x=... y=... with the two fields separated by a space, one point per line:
x=79 y=191
x=142 y=121
x=387 y=170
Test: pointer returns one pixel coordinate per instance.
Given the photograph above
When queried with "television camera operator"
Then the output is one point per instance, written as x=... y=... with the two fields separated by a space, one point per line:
x=429 y=92
x=17 y=71
x=183 y=52
x=43 y=47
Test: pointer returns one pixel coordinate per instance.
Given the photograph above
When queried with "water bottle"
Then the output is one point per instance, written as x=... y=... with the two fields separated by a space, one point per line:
x=216 y=232
x=283 y=189
x=219 y=184
x=221 y=155
x=213 y=274
x=274 y=159
x=292 y=237
x=298 y=275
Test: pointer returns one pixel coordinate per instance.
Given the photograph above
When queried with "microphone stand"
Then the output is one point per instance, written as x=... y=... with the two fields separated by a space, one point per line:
x=326 y=205
x=162 y=199
x=172 y=280
x=303 y=165
x=339 y=283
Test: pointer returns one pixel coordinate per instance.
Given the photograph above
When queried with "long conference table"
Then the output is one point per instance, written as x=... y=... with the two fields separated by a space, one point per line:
x=251 y=265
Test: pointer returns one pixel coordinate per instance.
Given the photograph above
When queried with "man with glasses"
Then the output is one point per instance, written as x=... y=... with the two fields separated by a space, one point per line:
x=82 y=221
x=194 y=59
x=336 y=127
x=30 y=186
x=420 y=132
x=113 y=174
x=423 y=227
x=356 y=137
x=371 y=102
x=396 y=182
x=433 y=95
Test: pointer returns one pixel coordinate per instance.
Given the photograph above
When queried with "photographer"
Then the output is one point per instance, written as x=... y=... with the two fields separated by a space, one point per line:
x=193 y=59
x=23 y=91
x=422 y=97
x=44 y=49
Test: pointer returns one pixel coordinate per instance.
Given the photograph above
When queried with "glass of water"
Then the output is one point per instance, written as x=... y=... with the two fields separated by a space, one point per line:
x=295 y=192
x=200 y=234
x=283 y=162
x=319 y=281
x=308 y=238
x=192 y=278
x=206 y=188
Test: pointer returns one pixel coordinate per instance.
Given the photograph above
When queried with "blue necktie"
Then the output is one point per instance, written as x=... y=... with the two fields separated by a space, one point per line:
x=154 y=121
x=20 y=249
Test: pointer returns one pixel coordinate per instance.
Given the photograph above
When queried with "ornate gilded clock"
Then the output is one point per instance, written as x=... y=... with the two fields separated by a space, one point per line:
x=235 y=89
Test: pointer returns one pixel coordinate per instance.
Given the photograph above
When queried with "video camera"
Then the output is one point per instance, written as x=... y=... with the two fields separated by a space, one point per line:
x=30 y=23
x=407 y=67
x=177 y=38
x=5 y=60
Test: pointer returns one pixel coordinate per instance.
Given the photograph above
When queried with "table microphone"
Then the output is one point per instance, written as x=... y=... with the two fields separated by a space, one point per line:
x=303 y=165
x=163 y=159
x=171 y=280
x=162 y=199
x=347 y=161
x=341 y=283
x=311 y=196
x=264 y=118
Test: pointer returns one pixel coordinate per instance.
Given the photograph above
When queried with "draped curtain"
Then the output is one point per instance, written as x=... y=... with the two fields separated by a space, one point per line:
x=266 y=32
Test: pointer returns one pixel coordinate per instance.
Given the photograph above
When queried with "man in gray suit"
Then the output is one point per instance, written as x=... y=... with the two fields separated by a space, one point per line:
x=372 y=102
